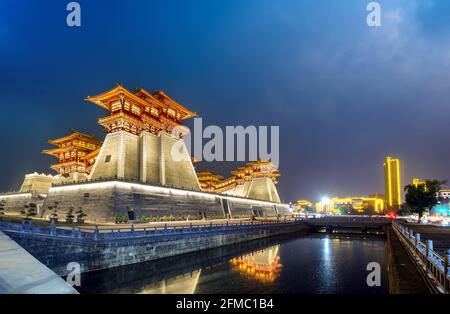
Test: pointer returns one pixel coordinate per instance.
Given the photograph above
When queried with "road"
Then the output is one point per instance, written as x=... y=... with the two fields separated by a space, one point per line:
x=439 y=234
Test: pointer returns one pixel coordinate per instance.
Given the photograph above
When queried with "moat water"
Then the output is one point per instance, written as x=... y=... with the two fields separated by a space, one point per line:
x=312 y=263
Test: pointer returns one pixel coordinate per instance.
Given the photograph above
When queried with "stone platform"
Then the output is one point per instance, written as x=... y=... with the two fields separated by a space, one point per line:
x=102 y=201
x=20 y=272
x=404 y=277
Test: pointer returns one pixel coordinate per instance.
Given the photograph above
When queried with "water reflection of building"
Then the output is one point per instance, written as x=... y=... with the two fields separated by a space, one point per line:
x=184 y=284
x=263 y=266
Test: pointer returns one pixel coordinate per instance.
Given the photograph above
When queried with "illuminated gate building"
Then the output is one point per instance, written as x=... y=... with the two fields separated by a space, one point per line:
x=142 y=169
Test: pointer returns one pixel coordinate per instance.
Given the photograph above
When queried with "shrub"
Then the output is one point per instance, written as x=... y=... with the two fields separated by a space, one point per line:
x=121 y=219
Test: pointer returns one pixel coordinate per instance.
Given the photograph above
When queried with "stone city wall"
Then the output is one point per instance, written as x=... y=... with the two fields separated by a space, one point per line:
x=103 y=201
x=15 y=202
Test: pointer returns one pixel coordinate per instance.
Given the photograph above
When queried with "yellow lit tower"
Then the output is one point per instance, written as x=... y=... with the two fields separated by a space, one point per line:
x=143 y=130
x=71 y=151
x=393 y=194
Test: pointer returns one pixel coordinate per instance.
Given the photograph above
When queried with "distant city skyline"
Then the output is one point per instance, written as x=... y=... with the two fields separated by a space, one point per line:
x=344 y=95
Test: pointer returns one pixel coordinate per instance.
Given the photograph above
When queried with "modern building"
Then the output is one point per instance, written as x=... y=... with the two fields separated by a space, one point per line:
x=359 y=204
x=444 y=194
x=392 y=183
x=325 y=206
x=302 y=205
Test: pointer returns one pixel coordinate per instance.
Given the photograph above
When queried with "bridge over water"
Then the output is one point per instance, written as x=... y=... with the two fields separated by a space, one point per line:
x=340 y=223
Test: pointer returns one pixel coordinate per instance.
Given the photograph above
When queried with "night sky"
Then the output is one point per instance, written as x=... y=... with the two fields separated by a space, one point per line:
x=344 y=95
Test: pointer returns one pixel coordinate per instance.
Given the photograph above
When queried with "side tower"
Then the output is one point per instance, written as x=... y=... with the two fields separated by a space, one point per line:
x=259 y=180
x=255 y=180
x=209 y=181
x=70 y=151
x=143 y=129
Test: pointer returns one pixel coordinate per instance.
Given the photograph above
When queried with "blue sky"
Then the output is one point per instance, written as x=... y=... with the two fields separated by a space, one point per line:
x=344 y=95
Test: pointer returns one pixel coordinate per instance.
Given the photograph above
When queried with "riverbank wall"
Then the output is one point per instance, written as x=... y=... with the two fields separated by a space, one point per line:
x=96 y=251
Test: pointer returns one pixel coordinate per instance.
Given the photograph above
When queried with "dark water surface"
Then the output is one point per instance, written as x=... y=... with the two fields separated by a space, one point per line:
x=312 y=263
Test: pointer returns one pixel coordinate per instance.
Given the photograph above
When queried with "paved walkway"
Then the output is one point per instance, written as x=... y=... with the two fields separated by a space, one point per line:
x=404 y=277
x=176 y=223
x=20 y=272
x=138 y=224
x=171 y=223
x=439 y=234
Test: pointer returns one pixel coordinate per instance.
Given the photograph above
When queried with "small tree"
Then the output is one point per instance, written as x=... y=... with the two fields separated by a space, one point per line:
x=2 y=207
x=50 y=208
x=24 y=210
x=80 y=215
x=54 y=214
x=422 y=196
x=32 y=210
x=69 y=215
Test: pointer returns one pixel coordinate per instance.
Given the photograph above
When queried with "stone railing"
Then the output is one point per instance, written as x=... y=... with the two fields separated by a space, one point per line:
x=435 y=267
x=104 y=233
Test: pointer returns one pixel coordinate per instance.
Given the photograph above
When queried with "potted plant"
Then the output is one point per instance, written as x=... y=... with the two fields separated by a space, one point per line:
x=32 y=210
x=80 y=215
x=24 y=210
x=54 y=215
x=28 y=211
x=2 y=208
x=50 y=209
x=70 y=216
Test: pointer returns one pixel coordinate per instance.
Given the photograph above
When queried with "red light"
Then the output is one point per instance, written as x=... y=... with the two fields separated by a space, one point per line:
x=391 y=215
